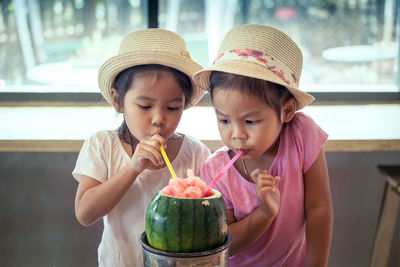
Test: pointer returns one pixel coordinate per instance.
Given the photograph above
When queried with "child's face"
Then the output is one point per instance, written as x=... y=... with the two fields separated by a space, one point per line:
x=153 y=105
x=246 y=123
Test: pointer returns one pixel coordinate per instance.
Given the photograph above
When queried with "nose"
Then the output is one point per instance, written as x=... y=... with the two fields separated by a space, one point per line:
x=158 y=118
x=239 y=133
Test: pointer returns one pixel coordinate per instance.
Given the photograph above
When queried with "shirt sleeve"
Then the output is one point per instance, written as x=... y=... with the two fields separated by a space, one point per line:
x=310 y=137
x=91 y=160
x=201 y=154
x=192 y=155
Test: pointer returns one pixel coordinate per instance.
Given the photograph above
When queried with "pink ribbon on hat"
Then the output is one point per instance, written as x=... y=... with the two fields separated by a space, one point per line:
x=271 y=63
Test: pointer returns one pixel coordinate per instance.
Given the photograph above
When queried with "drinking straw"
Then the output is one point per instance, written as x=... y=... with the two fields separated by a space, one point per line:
x=167 y=162
x=227 y=166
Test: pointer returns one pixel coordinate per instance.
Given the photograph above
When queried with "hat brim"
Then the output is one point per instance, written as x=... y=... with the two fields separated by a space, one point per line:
x=113 y=66
x=253 y=70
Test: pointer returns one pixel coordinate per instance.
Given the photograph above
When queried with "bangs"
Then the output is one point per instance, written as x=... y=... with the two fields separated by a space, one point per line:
x=272 y=94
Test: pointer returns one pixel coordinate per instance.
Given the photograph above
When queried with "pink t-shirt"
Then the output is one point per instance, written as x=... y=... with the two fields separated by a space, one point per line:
x=284 y=243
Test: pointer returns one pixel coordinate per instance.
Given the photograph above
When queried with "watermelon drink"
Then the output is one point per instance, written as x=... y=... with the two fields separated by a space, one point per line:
x=190 y=187
x=180 y=220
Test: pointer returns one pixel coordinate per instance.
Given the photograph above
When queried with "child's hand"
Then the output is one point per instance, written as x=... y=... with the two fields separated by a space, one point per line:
x=148 y=153
x=267 y=191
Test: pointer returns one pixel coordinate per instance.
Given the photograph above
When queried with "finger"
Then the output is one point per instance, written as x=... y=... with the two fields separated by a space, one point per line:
x=155 y=151
x=264 y=177
x=146 y=155
x=160 y=140
x=152 y=141
x=266 y=183
x=141 y=160
x=258 y=171
x=277 y=180
x=268 y=189
x=256 y=174
x=151 y=153
x=153 y=145
x=270 y=182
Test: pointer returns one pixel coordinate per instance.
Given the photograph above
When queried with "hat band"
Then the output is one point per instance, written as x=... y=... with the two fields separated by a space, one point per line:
x=258 y=57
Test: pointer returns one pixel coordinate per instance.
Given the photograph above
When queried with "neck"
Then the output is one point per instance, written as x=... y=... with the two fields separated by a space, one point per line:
x=262 y=162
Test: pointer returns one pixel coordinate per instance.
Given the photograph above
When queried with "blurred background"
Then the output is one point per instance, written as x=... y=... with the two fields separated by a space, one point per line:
x=348 y=45
x=50 y=51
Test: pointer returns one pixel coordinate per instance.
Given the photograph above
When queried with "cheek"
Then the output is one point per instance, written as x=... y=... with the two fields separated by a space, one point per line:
x=131 y=117
x=267 y=136
x=177 y=116
x=174 y=123
x=224 y=132
x=174 y=119
x=135 y=125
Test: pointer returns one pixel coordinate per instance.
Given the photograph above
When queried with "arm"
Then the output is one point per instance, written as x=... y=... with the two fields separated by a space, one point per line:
x=319 y=213
x=94 y=199
x=247 y=231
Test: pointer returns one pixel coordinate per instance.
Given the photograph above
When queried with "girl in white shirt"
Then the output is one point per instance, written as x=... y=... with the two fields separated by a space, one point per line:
x=119 y=172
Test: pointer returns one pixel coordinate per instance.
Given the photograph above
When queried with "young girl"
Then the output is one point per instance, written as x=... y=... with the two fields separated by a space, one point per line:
x=277 y=195
x=119 y=172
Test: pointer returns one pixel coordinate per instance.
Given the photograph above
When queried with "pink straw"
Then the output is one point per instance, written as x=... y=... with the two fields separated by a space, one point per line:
x=227 y=166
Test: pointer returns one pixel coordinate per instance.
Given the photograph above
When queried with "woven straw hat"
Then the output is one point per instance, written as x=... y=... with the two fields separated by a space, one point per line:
x=260 y=52
x=150 y=46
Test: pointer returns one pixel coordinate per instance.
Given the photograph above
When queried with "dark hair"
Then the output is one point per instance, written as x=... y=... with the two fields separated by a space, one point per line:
x=272 y=94
x=125 y=78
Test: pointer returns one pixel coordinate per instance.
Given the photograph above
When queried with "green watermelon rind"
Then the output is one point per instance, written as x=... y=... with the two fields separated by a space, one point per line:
x=205 y=226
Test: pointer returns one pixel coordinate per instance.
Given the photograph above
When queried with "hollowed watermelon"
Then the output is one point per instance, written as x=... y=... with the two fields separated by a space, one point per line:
x=177 y=224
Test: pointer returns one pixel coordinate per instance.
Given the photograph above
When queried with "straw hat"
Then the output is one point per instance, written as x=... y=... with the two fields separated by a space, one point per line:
x=260 y=52
x=149 y=46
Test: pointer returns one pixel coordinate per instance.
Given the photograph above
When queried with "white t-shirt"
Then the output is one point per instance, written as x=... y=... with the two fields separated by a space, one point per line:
x=101 y=156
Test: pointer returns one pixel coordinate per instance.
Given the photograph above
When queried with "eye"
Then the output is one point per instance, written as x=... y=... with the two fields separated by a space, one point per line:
x=223 y=121
x=144 y=107
x=250 y=122
x=174 y=108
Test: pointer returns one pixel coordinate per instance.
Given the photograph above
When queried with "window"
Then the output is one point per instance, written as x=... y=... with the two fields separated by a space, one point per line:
x=57 y=46
x=350 y=47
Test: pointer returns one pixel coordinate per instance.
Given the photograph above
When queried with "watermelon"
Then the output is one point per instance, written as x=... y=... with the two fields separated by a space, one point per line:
x=190 y=187
x=178 y=224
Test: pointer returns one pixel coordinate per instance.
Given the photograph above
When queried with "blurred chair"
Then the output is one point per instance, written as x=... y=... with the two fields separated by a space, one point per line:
x=387 y=243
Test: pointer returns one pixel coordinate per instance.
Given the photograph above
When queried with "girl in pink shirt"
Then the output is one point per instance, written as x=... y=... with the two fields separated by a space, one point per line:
x=277 y=194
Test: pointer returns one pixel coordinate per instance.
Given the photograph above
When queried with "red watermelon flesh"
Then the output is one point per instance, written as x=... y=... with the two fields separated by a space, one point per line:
x=190 y=187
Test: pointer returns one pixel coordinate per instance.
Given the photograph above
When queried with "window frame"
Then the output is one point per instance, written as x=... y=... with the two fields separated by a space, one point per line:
x=95 y=98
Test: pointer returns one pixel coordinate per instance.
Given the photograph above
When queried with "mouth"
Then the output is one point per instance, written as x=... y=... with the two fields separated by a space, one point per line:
x=245 y=151
x=157 y=132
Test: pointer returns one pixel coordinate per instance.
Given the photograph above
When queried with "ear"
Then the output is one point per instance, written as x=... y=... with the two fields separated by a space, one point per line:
x=114 y=99
x=288 y=109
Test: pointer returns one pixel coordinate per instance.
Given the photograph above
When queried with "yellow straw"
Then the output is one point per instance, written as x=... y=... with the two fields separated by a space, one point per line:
x=167 y=162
